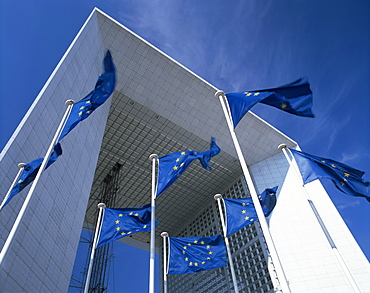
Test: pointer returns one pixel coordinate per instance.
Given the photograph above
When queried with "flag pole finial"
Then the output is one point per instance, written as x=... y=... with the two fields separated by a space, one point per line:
x=164 y=234
x=282 y=146
x=219 y=93
x=153 y=156
x=217 y=196
x=101 y=205
x=21 y=165
x=69 y=102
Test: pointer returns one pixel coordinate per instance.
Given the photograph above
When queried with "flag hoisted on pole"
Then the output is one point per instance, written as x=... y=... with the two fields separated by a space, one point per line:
x=294 y=98
x=33 y=186
x=261 y=217
x=101 y=207
x=28 y=173
x=104 y=87
x=345 y=178
x=171 y=166
x=122 y=222
x=292 y=162
x=240 y=212
x=218 y=199
x=195 y=254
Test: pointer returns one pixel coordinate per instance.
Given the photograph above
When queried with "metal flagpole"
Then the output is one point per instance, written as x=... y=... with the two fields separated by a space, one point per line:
x=153 y=157
x=101 y=207
x=10 y=238
x=218 y=199
x=21 y=167
x=270 y=244
x=294 y=165
x=164 y=235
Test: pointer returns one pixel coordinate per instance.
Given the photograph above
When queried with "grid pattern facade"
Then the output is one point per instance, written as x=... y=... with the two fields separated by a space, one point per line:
x=247 y=247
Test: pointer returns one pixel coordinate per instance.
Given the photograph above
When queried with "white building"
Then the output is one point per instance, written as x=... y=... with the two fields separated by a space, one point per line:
x=159 y=107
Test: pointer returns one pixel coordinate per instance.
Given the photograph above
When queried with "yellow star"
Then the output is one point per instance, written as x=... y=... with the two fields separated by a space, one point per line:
x=118 y=228
x=182 y=164
x=244 y=204
x=203 y=262
x=129 y=232
x=20 y=181
x=346 y=174
x=344 y=179
x=144 y=226
x=83 y=107
x=251 y=220
x=117 y=222
x=123 y=233
x=196 y=264
x=120 y=215
x=208 y=247
x=183 y=153
x=190 y=263
x=130 y=213
x=136 y=214
x=186 y=259
x=177 y=160
x=333 y=165
x=175 y=168
x=246 y=218
x=202 y=242
x=256 y=94
x=183 y=252
x=208 y=258
x=88 y=112
x=195 y=241
x=343 y=183
x=88 y=102
x=283 y=106
x=244 y=211
x=185 y=247
x=323 y=162
x=79 y=114
x=210 y=252
x=189 y=244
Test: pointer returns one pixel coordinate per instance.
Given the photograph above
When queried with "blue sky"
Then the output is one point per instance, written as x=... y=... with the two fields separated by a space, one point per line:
x=236 y=46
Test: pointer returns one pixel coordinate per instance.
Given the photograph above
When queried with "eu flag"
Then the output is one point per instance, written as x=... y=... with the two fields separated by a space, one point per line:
x=240 y=212
x=345 y=178
x=103 y=89
x=195 y=254
x=30 y=171
x=118 y=223
x=294 y=98
x=171 y=166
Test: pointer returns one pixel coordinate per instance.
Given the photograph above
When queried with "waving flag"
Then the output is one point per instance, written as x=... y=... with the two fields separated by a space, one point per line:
x=294 y=98
x=345 y=178
x=195 y=254
x=171 y=166
x=103 y=89
x=30 y=171
x=240 y=212
x=118 y=223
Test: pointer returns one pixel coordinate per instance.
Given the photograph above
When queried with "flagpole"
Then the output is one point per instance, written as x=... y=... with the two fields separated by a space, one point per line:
x=164 y=235
x=21 y=167
x=17 y=222
x=218 y=198
x=269 y=241
x=293 y=163
x=101 y=207
x=154 y=158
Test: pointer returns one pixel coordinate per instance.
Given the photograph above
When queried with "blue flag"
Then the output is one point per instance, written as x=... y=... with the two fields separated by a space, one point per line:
x=171 y=166
x=294 y=98
x=103 y=89
x=118 y=223
x=195 y=254
x=345 y=178
x=240 y=212
x=30 y=171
